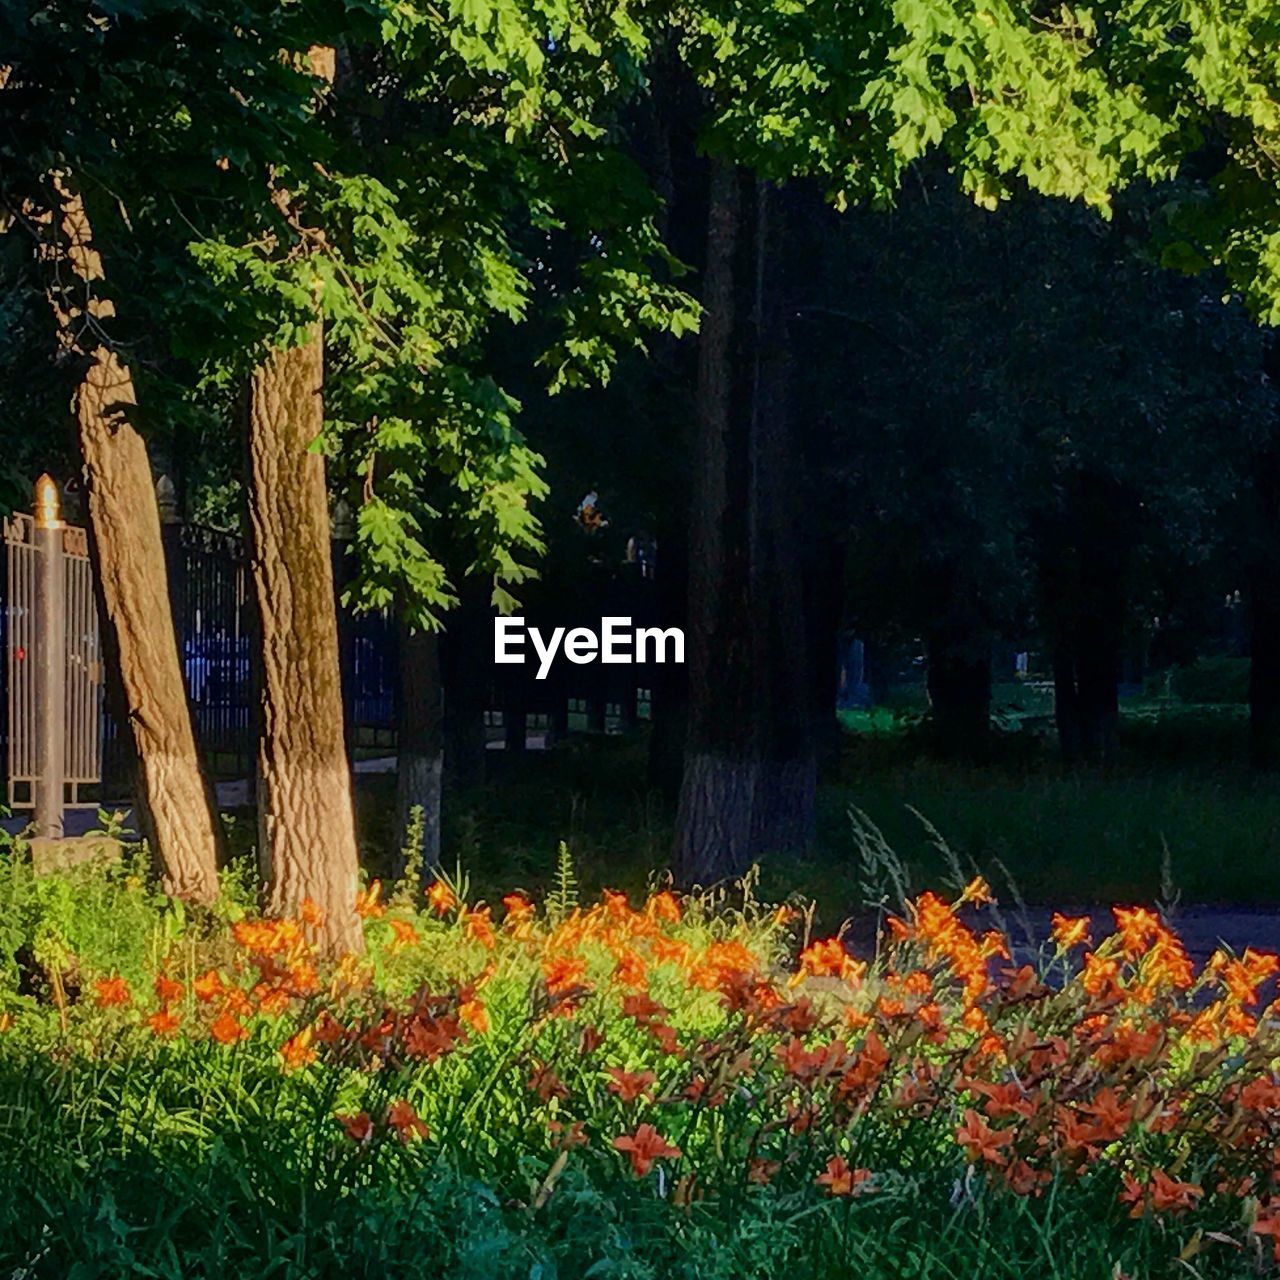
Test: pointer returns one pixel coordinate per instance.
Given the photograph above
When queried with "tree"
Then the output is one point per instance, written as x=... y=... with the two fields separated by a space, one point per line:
x=399 y=229
x=1077 y=439
x=174 y=797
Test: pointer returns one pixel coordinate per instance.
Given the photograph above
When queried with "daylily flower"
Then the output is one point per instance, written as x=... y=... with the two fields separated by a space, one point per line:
x=643 y=1147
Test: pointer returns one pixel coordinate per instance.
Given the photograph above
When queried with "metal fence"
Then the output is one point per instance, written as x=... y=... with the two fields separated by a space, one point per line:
x=214 y=616
x=77 y=675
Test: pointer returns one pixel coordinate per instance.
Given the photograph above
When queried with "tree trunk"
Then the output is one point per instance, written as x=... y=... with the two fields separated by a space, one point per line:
x=669 y=681
x=1086 y=559
x=1066 y=710
x=306 y=831
x=1098 y=692
x=173 y=794
x=749 y=775
x=825 y=610
x=959 y=684
x=420 y=738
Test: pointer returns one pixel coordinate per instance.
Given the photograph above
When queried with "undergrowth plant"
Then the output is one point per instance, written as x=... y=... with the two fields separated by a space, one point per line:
x=679 y=1087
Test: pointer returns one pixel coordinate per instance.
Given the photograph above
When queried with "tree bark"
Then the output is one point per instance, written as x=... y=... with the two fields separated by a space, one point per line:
x=306 y=831
x=824 y=587
x=1086 y=559
x=174 y=797
x=420 y=738
x=959 y=685
x=749 y=776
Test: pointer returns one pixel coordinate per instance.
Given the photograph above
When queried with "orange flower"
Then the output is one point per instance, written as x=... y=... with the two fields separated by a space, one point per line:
x=303 y=979
x=980 y=1141
x=226 y=1028
x=358 y=1127
x=328 y=1030
x=1111 y=1116
x=272 y=1000
x=1023 y=1180
x=1168 y=1195
x=475 y=1015
x=480 y=928
x=1003 y=1101
x=404 y=936
x=168 y=990
x=840 y=1180
x=616 y=904
x=563 y=973
x=1165 y=1194
x=568 y=1136
x=1070 y=931
x=441 y=897
x=405 y=1121
x=238 y=1002
x=297 y=1050
x=1244 y=976
x=1100 y=976
x=827 y=958
x=663 y=906
x=519 y=918
x=163 y=1023
x=545 y=1083
x=643 y=1147
x=368 y=902
x=977 y=891
x=6 y=1022
x=208 y=986
x=269 y=937
x=112 y=991
x=311 y=913
x=630 y=1085
x=1138 y=927
x=517 y=905
x=631 y=971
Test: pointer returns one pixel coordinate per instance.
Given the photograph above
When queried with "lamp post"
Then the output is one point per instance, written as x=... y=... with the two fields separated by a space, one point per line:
x=51 y=658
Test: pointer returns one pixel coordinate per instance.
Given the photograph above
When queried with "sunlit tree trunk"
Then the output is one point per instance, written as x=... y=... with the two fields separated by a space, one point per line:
x=306 y=823
x=306 y=829
x=174 y=798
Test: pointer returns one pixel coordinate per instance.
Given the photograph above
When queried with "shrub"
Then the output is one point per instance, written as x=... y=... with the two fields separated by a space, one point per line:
x=1212 y=680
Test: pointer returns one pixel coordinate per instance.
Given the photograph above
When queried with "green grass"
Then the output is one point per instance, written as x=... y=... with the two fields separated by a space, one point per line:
x=1180 y=792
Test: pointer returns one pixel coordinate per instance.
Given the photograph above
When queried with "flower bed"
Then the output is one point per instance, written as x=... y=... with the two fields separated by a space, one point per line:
x=676 y=1087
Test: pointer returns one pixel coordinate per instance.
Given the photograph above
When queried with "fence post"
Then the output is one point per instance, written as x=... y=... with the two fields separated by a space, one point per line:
x=51 y=658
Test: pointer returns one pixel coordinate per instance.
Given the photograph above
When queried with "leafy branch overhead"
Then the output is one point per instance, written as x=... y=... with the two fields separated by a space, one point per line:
x=468 y=172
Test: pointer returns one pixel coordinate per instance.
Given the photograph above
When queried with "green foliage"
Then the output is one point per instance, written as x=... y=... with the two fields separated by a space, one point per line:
x=1212 y=681
x=564 y=895
x=124 y=1151
x=91 y=918
x=411 y=855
